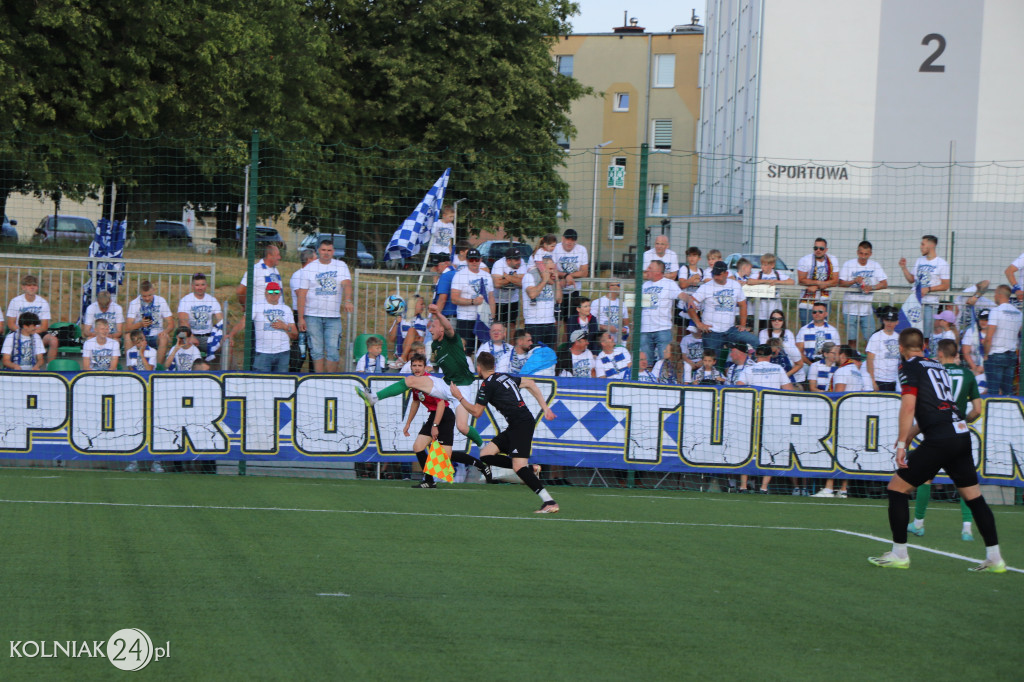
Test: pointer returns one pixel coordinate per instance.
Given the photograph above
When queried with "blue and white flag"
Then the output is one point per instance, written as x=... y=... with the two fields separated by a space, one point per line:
x=214 y=341
x=912 y=312
x=108 y=242
x=415 y=231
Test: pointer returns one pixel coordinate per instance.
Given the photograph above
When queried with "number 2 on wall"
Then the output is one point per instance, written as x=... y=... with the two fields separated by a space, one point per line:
x=929 y=64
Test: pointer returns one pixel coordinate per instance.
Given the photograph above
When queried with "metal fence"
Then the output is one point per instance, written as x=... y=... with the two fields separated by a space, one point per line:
x=372 y=287
x=63 y=279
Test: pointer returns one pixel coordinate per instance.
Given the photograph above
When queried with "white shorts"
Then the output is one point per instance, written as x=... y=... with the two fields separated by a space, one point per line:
x=443 y=391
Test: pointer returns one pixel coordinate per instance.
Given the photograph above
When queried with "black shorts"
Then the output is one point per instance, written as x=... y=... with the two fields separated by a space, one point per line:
x=952 y=455
x=567 y=308
x=507 y=313
x=445 y=430
x=886 y=386
x=516 y=440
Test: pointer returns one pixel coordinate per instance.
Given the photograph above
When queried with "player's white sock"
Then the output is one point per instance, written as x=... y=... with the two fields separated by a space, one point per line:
x=967 y=527
x=918 y=523
x=899 y=550
x=545 y=495
x=992 y=553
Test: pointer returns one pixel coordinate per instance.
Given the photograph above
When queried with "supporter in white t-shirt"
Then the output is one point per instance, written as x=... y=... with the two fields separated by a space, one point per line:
x=862 y=276
x=777 y=330
x=930 y=274
x=658 y=303
x=613 y=362
x=1002 y=337
x=299 y=346
x=572 y=264
x=610 y=310
x=1016 y=286
x=810 y=338
x=818 y=272
x=542 y=291
x=819 y=376
x=507 y=275
x=498 y=347
x=31 y=302
x=943 y=327
x=100 y=352
x=472 y=288
x=715 y=308
x=768 y=276
x=139 y=357
x=442 y=235
x=764 y=373
x=151 y=315
x=103 y=308
x=275 y=329
x=848 y=376
x=325 y=291
x=23 y=348
x=184 y=353
x=577 y=360
x=199 y=311
x=665 y=255
x=884 y=353
x=691 y=349
x=266 y=272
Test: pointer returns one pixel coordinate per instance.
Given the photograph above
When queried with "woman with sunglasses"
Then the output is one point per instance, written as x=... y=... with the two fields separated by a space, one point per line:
x=777 y=330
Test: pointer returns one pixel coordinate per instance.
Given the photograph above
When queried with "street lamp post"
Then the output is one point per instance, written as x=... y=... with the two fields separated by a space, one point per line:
x=593 y=219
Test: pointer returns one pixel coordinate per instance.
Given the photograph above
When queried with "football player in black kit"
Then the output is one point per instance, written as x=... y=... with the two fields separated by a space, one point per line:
x=502 y=391
x=927 y=397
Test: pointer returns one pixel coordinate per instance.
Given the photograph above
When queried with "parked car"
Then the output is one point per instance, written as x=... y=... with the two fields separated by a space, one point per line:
x=264 y=235
x=495 y=249
x=66 y=229
x=166 y=232
x=7 y=231
x=363 y=256
x=755 y=261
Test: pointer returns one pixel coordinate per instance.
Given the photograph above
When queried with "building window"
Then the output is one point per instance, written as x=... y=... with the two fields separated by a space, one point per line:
x=617 y=229
x=664 y=70
x=619 y=161
x=562 y=140
x=657 y=200
x=661 y=134
x=621 y=102
x=564 y=64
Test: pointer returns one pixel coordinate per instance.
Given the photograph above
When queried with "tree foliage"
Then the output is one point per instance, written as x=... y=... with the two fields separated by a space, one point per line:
x=361 y=103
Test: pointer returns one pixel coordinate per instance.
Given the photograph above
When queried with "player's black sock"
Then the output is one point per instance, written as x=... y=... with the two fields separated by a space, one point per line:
x=530 y=479
x=899 y=516
x=503 y=461
x=468 y=460
x=985 y=519
x=421 y=457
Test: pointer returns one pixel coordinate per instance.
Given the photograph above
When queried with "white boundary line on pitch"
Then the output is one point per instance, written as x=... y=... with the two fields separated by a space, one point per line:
x=996 y=509
x=549 y=519
x=919 y=547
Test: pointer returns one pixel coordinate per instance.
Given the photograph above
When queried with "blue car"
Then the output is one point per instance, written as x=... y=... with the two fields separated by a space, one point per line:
x=7 y=231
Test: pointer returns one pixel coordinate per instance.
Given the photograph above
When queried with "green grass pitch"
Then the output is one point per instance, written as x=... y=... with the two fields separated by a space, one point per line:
x=244 y=576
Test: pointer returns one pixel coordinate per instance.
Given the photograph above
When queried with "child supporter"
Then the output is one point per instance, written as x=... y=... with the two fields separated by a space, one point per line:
x=586 y=322
x=611 y=311
x=23 y=349
x=139 y=357
x=708 y=374
x=100 y=352
x=769 y=276
x=372 y=362
x=691 y=350
x=184 y=355
x=31 y=302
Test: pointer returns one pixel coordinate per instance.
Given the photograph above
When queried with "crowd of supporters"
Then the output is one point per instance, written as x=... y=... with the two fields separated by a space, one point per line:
x=528 y=311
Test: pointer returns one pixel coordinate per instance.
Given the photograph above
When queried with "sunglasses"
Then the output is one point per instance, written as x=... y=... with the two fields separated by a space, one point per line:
x=818 y=312
x=473 y=260
x=777 y=319
x=820 y=248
